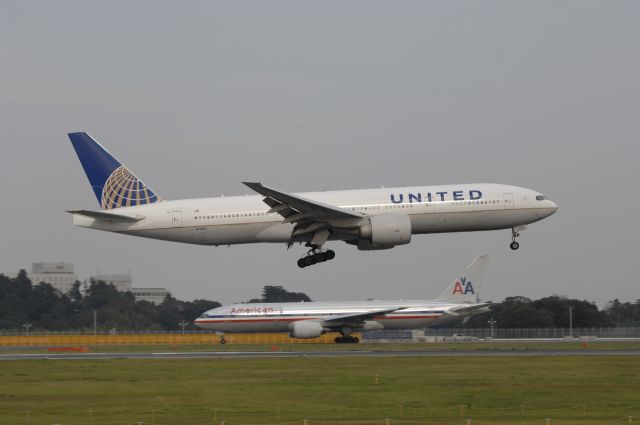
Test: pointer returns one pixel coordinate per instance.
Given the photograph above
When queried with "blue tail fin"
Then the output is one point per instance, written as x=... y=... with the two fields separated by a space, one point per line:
x=114 y=185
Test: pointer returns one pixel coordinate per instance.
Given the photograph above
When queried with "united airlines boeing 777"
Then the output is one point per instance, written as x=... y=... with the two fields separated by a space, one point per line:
x=312 y=319
x=370 y=219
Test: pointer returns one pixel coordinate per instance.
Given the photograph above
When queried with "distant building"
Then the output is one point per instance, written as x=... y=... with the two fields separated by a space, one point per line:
x=59 y=275
x=154 y=295
x=62 y=277
x=122 y=282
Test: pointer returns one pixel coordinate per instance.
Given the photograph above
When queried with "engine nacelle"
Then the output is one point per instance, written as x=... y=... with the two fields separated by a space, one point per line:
x=305 y=329
x=384 y=231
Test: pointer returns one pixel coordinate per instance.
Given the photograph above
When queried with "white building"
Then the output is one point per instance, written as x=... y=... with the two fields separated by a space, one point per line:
x=154 y=295
x=59 y=275
x=122 y=282
x=62 y=277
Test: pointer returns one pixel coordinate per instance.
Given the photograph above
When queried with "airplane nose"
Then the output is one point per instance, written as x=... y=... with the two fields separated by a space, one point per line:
x=551 y=207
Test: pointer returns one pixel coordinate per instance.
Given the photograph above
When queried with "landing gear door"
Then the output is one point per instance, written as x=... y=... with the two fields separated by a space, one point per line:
x=508 y=201
x=176 y=218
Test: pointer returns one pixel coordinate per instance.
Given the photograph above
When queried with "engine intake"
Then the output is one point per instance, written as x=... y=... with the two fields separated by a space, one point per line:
x=384 y=231
x=305 y=329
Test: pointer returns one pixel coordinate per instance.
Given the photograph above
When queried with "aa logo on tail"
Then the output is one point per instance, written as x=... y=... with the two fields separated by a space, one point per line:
x=463 y=287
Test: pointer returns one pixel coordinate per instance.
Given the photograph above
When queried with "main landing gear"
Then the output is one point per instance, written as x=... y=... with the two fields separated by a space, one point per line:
x=316 y=256
x=347 y=339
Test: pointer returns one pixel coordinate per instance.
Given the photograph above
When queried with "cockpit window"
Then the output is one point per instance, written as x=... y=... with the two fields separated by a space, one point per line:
x=540 y=198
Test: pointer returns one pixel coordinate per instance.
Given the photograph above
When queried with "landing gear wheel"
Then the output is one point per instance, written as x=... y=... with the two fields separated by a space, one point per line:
x=315 y=256
x=347 y=339
x=515 y=232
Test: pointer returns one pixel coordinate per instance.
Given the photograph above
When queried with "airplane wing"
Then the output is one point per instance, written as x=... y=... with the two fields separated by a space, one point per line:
x=296 y=208
x=101 y=215
x=358 y=317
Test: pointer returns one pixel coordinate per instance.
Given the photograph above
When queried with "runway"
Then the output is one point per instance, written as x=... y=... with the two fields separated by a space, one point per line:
x=289 y=354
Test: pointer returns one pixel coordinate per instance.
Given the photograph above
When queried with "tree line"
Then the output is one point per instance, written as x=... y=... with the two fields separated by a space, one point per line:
x=40 y=305
x=43 y=308
x=554 y=312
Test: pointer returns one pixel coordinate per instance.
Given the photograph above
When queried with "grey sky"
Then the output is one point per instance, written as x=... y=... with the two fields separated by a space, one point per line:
x=196 y=97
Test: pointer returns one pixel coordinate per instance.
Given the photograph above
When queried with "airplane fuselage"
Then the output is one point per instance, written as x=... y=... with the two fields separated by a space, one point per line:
x=278 y=317
x=246 y=219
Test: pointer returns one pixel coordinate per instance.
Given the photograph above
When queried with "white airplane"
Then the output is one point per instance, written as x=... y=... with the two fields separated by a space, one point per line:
x=312 y=319
x=370 y=219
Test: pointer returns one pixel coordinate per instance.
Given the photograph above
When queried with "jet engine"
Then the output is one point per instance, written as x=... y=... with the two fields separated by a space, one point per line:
x=384 y=231
x=305 y=329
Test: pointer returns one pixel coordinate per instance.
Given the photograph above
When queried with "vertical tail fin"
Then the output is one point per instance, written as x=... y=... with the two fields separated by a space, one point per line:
x=465 y=288
x=114 y=185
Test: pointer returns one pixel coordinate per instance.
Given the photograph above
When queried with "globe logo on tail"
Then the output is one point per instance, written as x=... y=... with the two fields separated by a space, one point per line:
x=124 y=189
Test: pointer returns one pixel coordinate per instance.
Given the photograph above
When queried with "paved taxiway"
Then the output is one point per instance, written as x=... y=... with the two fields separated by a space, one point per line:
x=276 y=354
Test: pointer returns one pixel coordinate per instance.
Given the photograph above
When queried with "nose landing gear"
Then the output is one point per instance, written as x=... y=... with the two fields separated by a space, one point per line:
x=515 y=232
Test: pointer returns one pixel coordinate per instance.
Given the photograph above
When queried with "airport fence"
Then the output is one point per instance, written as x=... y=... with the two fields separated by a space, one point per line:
x=536 y=333
x=207 y=337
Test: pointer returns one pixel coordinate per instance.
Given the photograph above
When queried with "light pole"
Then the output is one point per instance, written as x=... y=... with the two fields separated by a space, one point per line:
x=26 y=327
x=491 y=323
x=571 y=321
x=183 y=325
x=95 y=322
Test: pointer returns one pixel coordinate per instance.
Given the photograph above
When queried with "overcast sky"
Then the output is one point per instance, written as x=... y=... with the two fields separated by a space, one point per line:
x=197 y=97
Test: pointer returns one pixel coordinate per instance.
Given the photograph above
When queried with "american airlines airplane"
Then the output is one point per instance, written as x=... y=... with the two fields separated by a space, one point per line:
x=370 y=219
x=312 y=319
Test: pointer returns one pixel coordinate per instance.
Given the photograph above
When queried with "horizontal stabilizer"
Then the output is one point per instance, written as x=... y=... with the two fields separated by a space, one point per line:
x=472 y=309
x=101 y=215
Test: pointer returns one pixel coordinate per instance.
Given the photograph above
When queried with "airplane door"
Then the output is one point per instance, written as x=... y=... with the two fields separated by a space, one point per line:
x=508 y=201
x=176 y=219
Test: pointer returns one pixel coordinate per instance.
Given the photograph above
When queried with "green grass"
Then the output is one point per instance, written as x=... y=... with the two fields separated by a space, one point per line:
x=569 y=390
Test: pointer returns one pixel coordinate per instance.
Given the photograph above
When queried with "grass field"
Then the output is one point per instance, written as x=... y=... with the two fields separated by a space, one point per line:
x=343 y=390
